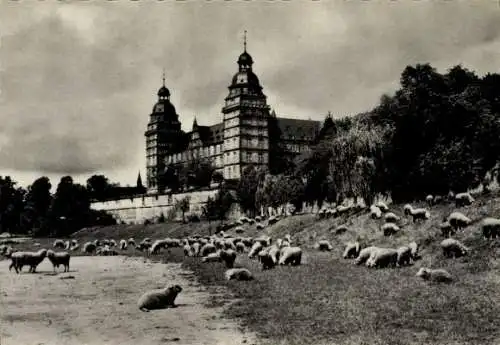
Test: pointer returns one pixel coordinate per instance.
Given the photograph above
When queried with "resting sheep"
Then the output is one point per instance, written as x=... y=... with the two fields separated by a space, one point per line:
x=323 y=245
x=351 y=250
x=238 y=274
x=458 y=220
x=159 y=299
x=290 y=255
x=390 y=229
x=212 y=257
x=60 y=258
x=228 y=257
x=436 y=275
x=463 y=199
x=490 y=227
x=364 y=254
x=453 y=248
x=383 y=257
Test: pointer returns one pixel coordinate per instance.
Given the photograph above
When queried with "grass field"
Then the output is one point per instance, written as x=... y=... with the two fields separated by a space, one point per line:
x=328 y=300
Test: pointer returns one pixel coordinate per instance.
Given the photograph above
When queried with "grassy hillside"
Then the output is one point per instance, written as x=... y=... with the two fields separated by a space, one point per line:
x=329 y=300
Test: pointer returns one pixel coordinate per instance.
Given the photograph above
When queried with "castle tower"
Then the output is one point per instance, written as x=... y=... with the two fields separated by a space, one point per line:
x=245 y=121
x=162 y=134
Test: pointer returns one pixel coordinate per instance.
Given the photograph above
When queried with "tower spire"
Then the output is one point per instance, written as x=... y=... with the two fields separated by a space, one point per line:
x=163 y=76
x=245 y=40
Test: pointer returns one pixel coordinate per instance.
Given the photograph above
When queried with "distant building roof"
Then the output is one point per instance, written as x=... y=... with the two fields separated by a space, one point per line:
x=298 y=129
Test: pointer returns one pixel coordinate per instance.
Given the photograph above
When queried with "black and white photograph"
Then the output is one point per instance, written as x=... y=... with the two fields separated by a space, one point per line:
x=250 y=172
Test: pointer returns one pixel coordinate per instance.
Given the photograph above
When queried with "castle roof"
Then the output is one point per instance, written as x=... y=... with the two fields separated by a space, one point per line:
x=298 y=129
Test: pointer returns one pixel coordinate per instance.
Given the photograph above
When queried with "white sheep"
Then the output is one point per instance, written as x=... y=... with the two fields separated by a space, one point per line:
x=383 y=257
x=188 y=250
x=256 y=248
x=323 y=245
x=391 y=217
x=259 y=226
x=229 y=244
x=272 y=220
x=238 y=274
x=341 y=209
x=67 y=245
x=89 y=247
x=290 y=255
x=60 y=258
x=375 y=212
x=123 y=244
x=240 y=247
x=131 y=242
x=157 y=246
x=414 y=248
x=436 y=275
x=112 y=243
x=32 y=259
x=340 y=229
x=458 y=220
x=463 y=199
x=74 y=242
x=351 y=250
x=266 y=260
x=453 y=248
x=159 y=298
x=404 y=256
x=59 y=244
x=446 y=229
x=490 y=227
x=228 y=257
x=390 y=229
x=207 y=249
x=196 y=246
x=430 y=200
x=382 y=206
x=239 y=230
x=419 y=214
x=364 y=254
x=407 y=209
x=212 y=257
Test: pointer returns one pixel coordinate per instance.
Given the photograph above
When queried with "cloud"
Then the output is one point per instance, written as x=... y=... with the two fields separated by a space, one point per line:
x=79 y=79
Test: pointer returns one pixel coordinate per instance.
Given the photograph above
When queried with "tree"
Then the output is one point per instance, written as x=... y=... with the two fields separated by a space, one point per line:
x=98 y=187
x=37 y=205
x=247 y=187
x=11 y=205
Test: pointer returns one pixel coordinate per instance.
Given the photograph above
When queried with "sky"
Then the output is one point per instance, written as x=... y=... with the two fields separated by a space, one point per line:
x=78 y=80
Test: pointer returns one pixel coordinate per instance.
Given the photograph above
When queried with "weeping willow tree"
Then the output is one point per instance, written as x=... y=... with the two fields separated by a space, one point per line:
x=356 y=155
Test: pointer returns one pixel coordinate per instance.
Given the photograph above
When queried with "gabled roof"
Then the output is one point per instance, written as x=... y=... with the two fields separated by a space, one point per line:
x=298 y=129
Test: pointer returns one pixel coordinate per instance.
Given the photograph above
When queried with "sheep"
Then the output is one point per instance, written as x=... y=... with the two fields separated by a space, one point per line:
x=419 y=214
x=32 y=259
x=343 y=209
x=131 y=242
x=490 y=227
x=112 y=243
x=256 y=248
x=229 y=244
x=89 y=247
x=322 y=213
x=382 y=206
x=259 y=226
x=265 y=241
x=248 y=242
x=323 y=245
x=207 y=249
x=274 y=252
x=240 y=247
x=463 y=199
x=188 y=250
x=258 y=218
x=239 y=230
x=414 y=250
x=196 y=248
x=364 y=254
x=74 y=243
x=404 y=256
x=228 y=257
x=458 y=220
x=375 y=212
x=436 y=275
x=159 y=298
x=123 y=245
x=391 y=217
x=59 y=244
x=238 y=274
x=407 y=209
x=389 y=229
x=288 y=238
x=61 y=258
x=272 y=220
x=453 y=248
x=157 y=246
x=446 y=229
x=212 y=257
x=67 y=244
x=266 y=260
x=105 y=242
x=383 y=257
x=290 y=255
x=430 y=200
x=340 y=229
x=351 y=250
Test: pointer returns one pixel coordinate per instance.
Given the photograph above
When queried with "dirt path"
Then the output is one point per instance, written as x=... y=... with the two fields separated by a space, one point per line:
x=99 y=306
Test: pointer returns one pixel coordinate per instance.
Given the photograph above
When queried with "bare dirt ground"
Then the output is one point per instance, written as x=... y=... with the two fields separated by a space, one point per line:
x=99 y=306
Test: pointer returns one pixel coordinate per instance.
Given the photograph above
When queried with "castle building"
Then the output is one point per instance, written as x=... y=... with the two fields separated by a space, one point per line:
x=248 y=134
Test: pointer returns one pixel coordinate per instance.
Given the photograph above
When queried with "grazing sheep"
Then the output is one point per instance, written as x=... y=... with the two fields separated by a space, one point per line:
x=196 y=249
x=290 y=255
x=266 y=260
x=212 y=257
x=390 y=229
x=59 y=244
x=272 y=220
x=60 y=258
x=188 y=250
x=419 y=214
x=430 y=200
x=490 y=227
x=259 y=226
x=238 y=274
x=435 y=275
x=207 y=249
x=340 y=229
x=157 y=246
x=229 y=244
x=364 y=254
x=74 y=242
x=446 y=229
x=105 y=242
x=67 y=244
x=131 y=242
x=239 y=230
x=458 y=220
x=123 y=245
x=407 y=209
x=240 y=247
x=351 y=250
x=463 y=199
x=453 y=248
x=322 y=213
x=32 y=259
x=383 y=257
x=375 y=212
x=112 y=243
x=159 y=299
x=89 y=247
x=258 y=218
x=323 y=245
x=341 y=209
x=265 y=240
x=391 y=217
x=228 y=257
x=414 y=250
x=256 y=248
x=404 y=256
x=382 y=206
